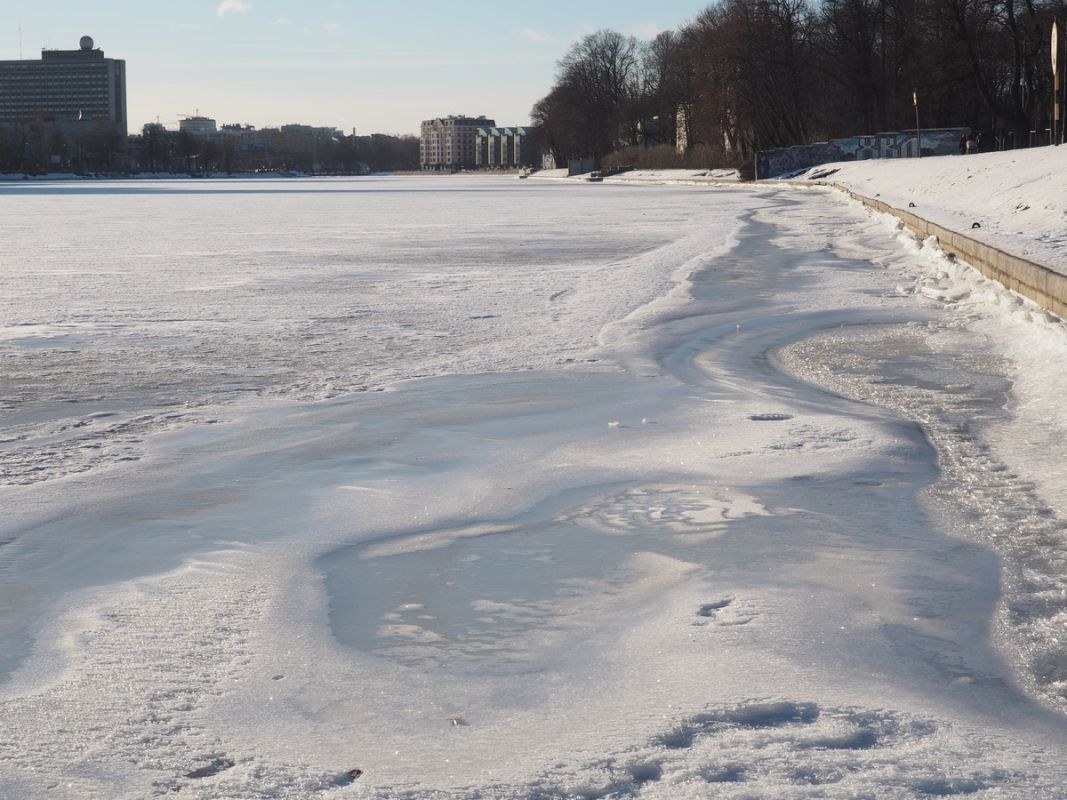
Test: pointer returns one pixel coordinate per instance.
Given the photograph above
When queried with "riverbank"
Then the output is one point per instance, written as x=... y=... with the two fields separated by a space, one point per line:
x=1014 y=200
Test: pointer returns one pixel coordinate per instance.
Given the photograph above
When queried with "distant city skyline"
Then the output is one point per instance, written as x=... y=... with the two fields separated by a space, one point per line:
x=374 y=67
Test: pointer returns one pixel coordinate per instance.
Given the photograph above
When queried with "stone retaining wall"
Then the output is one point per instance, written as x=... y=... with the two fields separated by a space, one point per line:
x=1032 y=280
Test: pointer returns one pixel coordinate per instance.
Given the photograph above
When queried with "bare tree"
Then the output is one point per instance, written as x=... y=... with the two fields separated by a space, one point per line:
x=598 y=89
x=756 y=74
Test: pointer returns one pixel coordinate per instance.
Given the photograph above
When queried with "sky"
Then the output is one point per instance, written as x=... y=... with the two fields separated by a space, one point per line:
x=377 y=67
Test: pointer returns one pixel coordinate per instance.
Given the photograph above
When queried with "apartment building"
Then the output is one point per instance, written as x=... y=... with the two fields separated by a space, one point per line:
x=448 y=144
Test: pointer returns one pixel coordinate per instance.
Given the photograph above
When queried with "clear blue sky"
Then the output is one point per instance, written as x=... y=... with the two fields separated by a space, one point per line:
x=373 y=65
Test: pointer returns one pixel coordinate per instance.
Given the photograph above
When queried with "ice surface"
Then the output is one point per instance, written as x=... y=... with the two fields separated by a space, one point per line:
x=501 y=597
x=993 y=488
x=679 y=569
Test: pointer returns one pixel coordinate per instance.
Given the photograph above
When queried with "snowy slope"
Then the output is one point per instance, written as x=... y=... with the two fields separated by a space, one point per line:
x=1019 y=198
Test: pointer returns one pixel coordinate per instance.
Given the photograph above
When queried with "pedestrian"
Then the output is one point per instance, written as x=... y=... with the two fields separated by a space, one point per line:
x=969 y=145
x=963 y=144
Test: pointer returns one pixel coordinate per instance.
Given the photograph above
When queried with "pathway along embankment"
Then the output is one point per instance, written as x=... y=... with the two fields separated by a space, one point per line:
x=1032 y=280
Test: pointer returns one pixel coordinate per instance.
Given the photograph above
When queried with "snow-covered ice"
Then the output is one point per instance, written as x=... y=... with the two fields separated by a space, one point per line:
x=473 y=487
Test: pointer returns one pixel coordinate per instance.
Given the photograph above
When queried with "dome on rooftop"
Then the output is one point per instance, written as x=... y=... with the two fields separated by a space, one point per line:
x=87 y=43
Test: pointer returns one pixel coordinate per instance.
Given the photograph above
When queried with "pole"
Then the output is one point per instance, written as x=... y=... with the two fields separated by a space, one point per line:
x=755 y=154
x=1055 y=83
x=918 y=132
x=1062 y=98
x=1063 y=103
x=1056 y=124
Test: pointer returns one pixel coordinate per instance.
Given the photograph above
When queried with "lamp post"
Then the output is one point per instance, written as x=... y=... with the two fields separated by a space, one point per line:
x=918 y=132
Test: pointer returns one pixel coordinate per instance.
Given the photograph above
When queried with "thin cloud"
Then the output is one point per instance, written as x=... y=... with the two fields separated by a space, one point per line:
x=537 y=37
x=646 y=30
x=398 y=62
x=281 y=22
x=332 y=27
x=233 y=7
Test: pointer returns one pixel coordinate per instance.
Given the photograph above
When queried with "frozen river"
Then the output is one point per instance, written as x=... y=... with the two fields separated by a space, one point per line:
x=497 y=488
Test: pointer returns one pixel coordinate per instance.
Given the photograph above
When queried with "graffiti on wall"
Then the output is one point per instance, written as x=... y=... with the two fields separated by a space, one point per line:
x=899 y=144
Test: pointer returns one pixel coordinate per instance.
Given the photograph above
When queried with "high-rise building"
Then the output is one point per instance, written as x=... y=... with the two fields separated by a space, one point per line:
x=449 y=143
x=67 y=90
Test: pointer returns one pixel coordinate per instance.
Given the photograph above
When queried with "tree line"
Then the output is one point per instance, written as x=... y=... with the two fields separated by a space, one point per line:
x=747 y=75
x=239 y=149
x=39 y=147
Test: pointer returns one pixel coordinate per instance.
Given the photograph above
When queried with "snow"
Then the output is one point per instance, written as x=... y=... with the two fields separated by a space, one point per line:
x=1017 y=197
x=551 y=173
x=677 y=177
x=492 y=488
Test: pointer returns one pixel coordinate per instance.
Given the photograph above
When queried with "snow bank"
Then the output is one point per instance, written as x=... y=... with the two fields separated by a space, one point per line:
x=678 y=177
x=1018 y=198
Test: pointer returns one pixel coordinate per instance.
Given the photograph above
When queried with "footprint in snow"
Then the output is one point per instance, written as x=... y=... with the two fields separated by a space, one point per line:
x=214 y=767
x=709 y=610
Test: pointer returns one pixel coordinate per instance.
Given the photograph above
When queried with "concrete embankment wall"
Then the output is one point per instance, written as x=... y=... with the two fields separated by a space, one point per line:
x=1032 y=280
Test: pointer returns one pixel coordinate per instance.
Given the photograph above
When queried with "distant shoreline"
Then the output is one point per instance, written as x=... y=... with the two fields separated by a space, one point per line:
x=18 y=177
x=15 y=177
